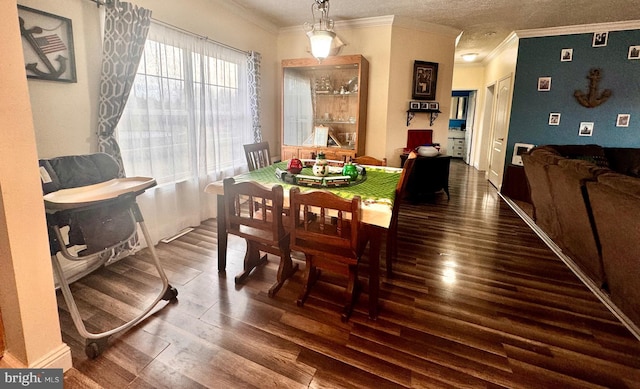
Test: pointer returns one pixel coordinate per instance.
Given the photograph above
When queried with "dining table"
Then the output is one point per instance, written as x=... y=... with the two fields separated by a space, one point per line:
x=376 y=189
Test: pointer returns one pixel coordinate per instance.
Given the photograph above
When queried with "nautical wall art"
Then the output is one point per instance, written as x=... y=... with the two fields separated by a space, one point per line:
x=47 y=44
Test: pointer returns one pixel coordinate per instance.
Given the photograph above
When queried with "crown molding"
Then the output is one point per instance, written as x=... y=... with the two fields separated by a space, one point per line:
x=377 y=21
x=353 y=23
x=579 y=29
x=387 y=20
x=508 y=41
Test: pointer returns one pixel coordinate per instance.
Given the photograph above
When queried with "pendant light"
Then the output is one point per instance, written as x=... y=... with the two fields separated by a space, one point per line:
x=320 y=32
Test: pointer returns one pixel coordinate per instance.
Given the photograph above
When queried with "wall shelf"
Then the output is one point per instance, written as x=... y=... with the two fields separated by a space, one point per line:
x=433 y=115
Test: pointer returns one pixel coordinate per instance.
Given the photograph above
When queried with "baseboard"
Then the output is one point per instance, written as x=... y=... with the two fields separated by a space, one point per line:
x=58 y=358
x=176 y=236
x=595 y=289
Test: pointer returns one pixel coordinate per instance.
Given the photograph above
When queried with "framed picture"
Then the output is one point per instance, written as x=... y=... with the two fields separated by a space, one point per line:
x=586 y=129
x=414 y=105
x=434 y=105
x=566 y=55
x=554 y=119
x=544 y=84
x=634 y=52
x=425 y=75
x=47 y=44
x=424 y=105
x=600 y=39
x=320 y=136
x=623 y=120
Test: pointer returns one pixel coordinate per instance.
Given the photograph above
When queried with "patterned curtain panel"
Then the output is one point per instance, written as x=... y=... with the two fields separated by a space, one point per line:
x=126 y=28
x=254 y=93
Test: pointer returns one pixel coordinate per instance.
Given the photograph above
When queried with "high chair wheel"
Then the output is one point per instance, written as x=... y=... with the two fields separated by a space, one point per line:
x=94 y=347
x=92 y=350
x=170 y=294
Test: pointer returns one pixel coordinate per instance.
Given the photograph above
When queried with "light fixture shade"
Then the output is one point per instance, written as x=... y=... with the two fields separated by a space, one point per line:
x=320 y=41
x=469 y=57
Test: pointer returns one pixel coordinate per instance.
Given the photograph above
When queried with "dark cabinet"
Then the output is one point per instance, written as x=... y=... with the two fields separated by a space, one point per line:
x=515 y=184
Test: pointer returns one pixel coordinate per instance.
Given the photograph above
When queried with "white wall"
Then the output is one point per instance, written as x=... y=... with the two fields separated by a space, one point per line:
x=27 y=293
x=422 y=43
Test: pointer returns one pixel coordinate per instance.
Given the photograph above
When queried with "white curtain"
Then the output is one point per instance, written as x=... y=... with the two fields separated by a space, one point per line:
x=184 y=124
x=298 y=108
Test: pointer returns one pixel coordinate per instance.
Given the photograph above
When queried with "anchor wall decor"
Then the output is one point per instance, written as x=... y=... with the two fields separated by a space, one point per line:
x=47 y=45
x=592 y=98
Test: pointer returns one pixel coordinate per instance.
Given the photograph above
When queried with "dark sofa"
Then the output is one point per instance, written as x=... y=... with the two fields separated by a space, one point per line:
x=587 y=199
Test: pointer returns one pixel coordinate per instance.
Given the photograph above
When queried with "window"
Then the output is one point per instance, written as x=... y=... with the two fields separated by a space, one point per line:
x=184 y=124
x=187 y=111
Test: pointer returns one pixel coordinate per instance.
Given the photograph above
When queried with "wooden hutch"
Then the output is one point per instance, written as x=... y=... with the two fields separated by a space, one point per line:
x=324 y=107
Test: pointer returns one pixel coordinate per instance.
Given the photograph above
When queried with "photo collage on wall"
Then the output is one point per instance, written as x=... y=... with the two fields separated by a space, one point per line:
x=599 y=39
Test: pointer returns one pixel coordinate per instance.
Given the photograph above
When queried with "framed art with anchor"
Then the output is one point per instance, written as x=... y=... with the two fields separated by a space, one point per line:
x=47 y=44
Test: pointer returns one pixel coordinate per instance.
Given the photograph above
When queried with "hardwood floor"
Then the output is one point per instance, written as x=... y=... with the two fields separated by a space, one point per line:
x=477 y=300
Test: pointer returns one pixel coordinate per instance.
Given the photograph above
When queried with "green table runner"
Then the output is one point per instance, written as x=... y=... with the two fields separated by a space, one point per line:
x=379 y=186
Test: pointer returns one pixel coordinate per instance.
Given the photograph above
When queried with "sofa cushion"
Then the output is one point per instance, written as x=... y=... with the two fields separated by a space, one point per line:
x=590 y=153
x=624 y=160
x=546 y=156
x=623 y=183
x=582 y=169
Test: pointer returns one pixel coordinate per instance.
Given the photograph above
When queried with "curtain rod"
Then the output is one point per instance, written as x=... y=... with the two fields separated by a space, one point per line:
x=101 y=2
x=206 y=38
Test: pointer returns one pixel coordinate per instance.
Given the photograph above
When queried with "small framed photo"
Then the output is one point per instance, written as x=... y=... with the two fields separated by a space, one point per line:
x=566 y=55
x=586 y=129
x=623 y=120
x=554 y=119
x=600 y=39
x=424 y=105
x=634 y=52
x=434 y=105
x=321 y=136
x=414 y=105
x=544 y=84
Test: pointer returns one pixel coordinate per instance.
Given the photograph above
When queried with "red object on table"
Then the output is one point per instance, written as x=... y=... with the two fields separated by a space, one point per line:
x=294 y=166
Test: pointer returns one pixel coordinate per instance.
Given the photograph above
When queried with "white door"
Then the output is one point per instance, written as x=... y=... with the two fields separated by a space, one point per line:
x=468 y=136
x=499 y=131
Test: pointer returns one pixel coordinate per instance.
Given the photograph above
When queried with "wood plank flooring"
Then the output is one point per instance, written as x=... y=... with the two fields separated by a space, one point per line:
x=477 y=301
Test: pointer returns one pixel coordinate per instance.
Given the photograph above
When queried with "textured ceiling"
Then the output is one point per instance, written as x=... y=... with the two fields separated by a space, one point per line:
x=485 y=23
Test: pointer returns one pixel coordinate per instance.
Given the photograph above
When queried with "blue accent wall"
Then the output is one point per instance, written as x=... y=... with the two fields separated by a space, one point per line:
x=540 y=57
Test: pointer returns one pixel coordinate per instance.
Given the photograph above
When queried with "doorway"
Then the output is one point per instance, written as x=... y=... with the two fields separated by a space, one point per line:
x=499 y=131
x=461 y=124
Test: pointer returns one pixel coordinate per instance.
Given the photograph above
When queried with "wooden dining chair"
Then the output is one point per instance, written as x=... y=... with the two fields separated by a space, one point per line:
x=257 y=155
x=368 y=160
x=400 y=195
x=255 y=214
x=328 y=230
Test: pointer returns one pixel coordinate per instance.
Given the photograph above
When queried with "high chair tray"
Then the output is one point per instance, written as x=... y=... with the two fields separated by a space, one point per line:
x=91 y=194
